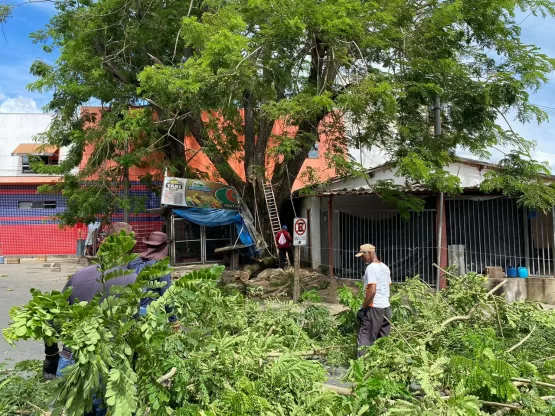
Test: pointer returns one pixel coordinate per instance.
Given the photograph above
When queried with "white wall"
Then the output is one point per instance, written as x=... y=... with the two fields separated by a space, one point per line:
x=470 y=176
x=313 y=204
x=14 y=130
x=368 y=158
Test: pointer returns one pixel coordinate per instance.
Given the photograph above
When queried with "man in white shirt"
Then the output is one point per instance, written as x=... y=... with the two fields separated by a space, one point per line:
x=375 y=314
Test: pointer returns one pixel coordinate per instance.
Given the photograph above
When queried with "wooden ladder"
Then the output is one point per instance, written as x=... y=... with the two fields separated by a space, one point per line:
x=272 y=210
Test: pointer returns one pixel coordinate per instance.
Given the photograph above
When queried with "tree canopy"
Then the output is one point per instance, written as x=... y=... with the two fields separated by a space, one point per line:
x=358 y=73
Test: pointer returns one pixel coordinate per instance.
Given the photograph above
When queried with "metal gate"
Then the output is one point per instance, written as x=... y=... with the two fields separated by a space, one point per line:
x=491 y=229
x=408 y=247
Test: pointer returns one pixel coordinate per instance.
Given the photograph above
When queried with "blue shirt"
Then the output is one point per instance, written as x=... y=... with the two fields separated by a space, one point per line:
x=138 y=265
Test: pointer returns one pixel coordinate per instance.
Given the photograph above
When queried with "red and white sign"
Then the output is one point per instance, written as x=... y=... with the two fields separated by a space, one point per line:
x=300 y=232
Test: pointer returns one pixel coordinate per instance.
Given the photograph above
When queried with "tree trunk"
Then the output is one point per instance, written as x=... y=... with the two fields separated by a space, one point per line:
x=252 y=269
x=175 y=149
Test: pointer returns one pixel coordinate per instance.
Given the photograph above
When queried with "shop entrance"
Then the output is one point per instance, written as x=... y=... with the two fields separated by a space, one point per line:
x=193 y=243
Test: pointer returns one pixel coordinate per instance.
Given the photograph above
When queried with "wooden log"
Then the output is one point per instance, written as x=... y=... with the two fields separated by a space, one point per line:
x=251 y=270
x=342 y=391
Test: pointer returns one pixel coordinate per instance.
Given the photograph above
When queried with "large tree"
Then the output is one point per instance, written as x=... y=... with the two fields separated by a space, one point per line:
x=362 y=73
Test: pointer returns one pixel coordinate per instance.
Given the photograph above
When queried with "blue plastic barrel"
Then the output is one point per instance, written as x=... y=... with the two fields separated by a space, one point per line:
x=522 y=272
x=1 y=259
x=511 y=271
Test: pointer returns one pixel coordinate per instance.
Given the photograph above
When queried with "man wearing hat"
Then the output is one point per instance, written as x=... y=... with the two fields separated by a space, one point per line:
x=156 y=249
x=375 y=314
x=284 y=240
x=85 y=285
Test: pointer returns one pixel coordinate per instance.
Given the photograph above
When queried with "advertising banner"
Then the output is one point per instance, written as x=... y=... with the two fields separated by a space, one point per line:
x=194 y=193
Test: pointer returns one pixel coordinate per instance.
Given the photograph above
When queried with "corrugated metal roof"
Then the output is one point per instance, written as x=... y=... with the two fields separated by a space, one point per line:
x=345 y=191
x=357 y=191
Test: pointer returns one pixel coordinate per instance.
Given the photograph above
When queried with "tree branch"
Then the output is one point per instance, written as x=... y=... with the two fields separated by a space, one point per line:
x=196 y=128
x=166 y=379
x=522 y=341
x=471 y=312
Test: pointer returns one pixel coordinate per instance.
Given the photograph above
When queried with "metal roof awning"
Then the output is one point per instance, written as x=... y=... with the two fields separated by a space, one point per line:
x=354 y=191
x=35 y=149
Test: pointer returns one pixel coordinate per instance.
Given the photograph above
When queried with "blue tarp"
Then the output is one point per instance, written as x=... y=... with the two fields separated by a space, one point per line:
x=210 y=217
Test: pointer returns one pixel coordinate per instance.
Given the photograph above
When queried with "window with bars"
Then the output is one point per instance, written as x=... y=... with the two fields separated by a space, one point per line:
x=26 y=163
x=36 y=205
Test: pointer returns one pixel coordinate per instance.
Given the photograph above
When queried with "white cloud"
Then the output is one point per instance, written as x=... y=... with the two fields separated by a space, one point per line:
x=18 y=105
x=542 y=156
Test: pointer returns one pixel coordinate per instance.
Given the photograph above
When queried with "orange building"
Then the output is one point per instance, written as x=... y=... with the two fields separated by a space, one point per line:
x=316 y=160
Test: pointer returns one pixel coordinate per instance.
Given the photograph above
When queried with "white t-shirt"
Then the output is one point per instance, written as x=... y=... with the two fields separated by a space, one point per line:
x=380 y=275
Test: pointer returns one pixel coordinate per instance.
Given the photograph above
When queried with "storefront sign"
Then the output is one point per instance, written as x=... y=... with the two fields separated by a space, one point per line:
x=194 y=193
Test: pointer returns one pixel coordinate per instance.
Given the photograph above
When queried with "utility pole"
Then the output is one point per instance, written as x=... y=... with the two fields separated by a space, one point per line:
x=126 y=188
x=437 y=132
x=296 y=275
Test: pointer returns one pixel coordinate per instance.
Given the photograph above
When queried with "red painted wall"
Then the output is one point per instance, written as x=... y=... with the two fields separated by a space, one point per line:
x=202 y=163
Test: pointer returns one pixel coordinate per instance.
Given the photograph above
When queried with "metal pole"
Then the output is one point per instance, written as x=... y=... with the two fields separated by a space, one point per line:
x=437 y=132
x=126 y=190
x=553 y=236
x=330 y=235
x=437 y=116
x=296 y=276
x=439 y=238
x=526 y=238
x=126 y=194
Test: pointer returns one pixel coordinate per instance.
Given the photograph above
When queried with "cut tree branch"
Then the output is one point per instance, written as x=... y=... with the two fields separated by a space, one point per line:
x=471 y=312
x=166 y=379
x=522 y=341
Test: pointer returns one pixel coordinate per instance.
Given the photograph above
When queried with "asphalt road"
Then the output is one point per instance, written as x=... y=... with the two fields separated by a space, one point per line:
x=16 y=280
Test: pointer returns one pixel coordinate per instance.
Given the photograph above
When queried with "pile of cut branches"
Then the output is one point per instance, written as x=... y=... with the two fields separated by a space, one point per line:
x=462 y=351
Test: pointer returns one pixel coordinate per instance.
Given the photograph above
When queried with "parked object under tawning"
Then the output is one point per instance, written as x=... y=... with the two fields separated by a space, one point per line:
x=522 y=272
x=494 y=272
x=511 y=271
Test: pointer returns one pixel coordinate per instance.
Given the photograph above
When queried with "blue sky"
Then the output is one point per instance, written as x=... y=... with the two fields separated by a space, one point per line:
x=17 y=53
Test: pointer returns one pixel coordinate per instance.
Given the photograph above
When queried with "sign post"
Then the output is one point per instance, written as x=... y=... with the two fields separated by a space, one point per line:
x=300 y=231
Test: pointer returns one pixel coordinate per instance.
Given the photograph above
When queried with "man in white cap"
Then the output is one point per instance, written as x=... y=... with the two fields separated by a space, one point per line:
x=375 y=314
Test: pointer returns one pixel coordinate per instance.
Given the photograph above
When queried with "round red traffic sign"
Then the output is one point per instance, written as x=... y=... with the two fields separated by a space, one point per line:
x=300 y=227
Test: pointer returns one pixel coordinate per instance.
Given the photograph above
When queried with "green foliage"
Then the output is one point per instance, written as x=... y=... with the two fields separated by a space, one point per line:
x=467 y=361
x=318 y=322
x=529 y=186
x=5 y=12
x=348 y=321
x=23 y=389
x=356 y=74
x=235 y=356
x=310 y=296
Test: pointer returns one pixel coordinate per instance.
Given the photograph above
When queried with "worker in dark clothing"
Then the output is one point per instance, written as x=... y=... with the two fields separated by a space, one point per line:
x=85 y=285
x=284 y=240
x=156 y=249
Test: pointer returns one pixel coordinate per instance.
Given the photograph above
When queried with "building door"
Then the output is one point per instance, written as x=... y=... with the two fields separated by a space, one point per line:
x=193 y=243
